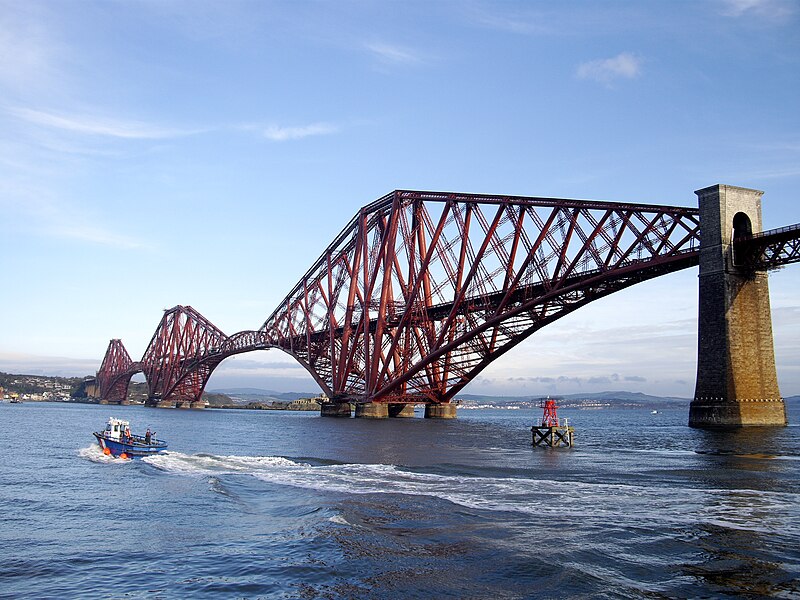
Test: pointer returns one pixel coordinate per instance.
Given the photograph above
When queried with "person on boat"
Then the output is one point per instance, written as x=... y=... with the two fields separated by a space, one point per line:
x=147 y=436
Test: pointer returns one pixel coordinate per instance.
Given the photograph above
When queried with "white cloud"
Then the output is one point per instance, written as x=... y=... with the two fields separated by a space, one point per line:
x=282 y=134
x=93 y=125
x=768 y=9
x=393 y=54
x=606 y=70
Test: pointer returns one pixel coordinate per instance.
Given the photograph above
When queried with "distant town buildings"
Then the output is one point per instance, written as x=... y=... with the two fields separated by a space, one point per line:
x=35 y=388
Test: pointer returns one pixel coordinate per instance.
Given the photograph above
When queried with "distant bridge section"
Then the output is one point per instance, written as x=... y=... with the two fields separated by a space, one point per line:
x=183 y=352
x=115 y=373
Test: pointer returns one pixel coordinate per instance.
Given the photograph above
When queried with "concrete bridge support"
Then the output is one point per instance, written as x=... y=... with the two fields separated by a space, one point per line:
x=335 y=409
x=159 y=403
x=737 y=384
x=401 y=411
x=372 y=410
x=440 y=411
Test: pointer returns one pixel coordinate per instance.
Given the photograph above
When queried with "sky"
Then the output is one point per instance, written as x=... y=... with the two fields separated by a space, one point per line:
x=164 y=152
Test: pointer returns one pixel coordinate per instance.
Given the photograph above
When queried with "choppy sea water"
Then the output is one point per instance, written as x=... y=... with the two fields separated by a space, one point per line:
x=262 y=504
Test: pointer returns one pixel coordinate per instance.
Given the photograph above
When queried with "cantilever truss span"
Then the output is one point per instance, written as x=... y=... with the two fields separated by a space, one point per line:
x=421 y=290
x=183 y=352
x=115 y=372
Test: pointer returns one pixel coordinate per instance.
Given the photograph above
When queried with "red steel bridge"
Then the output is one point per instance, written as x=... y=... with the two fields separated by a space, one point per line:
x=422 y=290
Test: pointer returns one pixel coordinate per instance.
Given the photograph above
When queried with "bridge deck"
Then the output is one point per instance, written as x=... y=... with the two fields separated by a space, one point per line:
x=768 y=250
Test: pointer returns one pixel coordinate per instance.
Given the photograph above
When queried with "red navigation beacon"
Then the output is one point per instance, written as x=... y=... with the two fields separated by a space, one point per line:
x=549 y=418
x=551 y=432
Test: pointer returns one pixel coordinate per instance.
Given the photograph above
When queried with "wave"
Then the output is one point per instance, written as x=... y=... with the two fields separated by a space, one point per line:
x=642 y=504
x=95 y=454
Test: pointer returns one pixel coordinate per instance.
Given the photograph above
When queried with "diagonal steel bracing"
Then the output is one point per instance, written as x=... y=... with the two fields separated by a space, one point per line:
x=422 y=290
x=184 y=350
x=115 y=372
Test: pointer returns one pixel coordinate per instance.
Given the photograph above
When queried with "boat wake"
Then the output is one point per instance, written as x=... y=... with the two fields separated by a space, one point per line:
x=95 y=454
x=647 y=503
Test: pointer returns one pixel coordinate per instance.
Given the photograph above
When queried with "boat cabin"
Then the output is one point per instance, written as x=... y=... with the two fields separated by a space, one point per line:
x=116 y=428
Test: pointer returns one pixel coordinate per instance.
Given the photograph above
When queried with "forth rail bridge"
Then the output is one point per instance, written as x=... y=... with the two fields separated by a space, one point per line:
x=422 y=290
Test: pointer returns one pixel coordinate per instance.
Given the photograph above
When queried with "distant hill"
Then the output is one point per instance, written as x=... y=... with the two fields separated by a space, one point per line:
x=619 y=398
x=245 y=390
x=246 y=395
x=632 y=397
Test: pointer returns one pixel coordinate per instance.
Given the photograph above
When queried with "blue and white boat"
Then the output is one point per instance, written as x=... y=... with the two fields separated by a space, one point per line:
x=117 y=440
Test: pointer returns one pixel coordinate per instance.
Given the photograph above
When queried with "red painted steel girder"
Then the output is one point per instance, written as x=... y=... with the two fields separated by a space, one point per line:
x=422 y=290
x=184 y=350
x=179 y=359
x=115 y=372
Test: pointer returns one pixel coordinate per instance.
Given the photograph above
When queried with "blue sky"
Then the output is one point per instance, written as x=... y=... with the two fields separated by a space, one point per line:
x=155 y=153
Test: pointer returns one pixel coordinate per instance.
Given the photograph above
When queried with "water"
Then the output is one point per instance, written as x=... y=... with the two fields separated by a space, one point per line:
x=262 y=504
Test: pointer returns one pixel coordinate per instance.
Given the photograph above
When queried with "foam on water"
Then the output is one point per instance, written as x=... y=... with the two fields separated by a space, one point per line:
x=340 y=520
x=399 y=509
x=737 y=508
x=210 y=464
x=95 y=454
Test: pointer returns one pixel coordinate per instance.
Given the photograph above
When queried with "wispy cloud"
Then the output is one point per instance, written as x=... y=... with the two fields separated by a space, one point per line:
x=519 y=22
x=98 y=126
x=97 y=235
x=607 y=70
x=767 y=9
x=30 y=53
x=779 y=146
x=780 y=167
x=37 y=211
x=53 y=366
x=390 y=53
x=771 y=173
x=283 y=134
x=227 y=22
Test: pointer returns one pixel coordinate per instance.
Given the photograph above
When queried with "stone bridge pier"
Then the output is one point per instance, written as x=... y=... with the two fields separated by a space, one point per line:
x=737 y=384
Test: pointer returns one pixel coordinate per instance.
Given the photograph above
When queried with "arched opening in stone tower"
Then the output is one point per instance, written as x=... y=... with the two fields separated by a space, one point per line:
x=742 y=227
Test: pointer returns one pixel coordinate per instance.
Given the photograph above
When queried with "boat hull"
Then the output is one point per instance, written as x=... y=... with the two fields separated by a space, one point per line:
x=135 y=449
